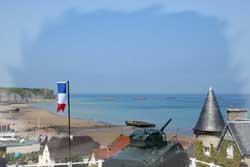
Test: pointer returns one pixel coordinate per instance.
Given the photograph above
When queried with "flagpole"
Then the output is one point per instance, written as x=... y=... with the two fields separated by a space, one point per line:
x=69 y=119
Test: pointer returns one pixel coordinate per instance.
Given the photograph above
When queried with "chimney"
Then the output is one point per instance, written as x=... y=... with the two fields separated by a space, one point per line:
x=234 y=113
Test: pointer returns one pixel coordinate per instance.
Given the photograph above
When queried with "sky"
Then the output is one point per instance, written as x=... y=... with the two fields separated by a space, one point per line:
x=132 y=46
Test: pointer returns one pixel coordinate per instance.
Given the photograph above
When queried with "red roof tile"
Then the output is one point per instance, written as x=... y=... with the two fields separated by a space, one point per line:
x=114 y=148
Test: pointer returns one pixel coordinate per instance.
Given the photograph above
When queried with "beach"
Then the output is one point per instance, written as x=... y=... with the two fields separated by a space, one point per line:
x=26 y=119
x=154 y=108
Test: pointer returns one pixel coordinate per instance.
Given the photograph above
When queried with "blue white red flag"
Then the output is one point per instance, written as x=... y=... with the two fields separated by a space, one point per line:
x=61 y=87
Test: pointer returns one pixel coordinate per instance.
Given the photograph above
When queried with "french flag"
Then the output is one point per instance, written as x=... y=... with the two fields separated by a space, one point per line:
x=61 y=87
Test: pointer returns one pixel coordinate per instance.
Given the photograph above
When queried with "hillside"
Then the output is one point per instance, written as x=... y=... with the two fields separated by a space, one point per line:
x=24 y=95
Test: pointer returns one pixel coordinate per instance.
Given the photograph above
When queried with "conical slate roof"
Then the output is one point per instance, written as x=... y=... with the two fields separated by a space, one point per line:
x=210 y=119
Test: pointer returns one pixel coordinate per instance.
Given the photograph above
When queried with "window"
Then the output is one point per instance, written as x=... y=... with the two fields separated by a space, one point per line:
x=207 y=151
x=230 y=151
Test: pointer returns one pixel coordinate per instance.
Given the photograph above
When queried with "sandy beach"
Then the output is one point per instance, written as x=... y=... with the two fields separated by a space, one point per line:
x=25 y=119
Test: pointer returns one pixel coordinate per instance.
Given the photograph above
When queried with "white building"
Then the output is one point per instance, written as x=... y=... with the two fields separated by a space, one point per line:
x=10 y=143
x=44 y=159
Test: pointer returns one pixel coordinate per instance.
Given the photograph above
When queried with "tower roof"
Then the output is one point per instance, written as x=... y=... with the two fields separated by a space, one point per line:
x=210 y=119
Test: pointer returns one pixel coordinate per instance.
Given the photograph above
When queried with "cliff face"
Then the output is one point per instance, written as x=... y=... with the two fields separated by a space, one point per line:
x=24 y=95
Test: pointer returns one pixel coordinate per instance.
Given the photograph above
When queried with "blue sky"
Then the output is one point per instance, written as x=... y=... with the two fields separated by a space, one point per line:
x=163 y=47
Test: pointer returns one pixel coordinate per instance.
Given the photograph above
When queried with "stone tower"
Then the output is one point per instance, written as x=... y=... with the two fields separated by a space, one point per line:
x=210 y=124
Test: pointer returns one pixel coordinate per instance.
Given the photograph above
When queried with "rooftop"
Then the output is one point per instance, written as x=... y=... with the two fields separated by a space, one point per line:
x=236 y=110
x=239 y=131
x=210 y=119
x=17 y=141
x=115 y=147
x=81 y=145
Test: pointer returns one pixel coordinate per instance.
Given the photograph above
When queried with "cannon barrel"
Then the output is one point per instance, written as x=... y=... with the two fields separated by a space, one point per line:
x=166 y=124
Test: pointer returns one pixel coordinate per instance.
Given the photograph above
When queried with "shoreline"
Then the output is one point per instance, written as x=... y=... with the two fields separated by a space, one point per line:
x=102 y=123
x=27 y=118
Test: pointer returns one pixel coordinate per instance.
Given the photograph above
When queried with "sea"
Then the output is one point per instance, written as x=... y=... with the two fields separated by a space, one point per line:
x=154 y=108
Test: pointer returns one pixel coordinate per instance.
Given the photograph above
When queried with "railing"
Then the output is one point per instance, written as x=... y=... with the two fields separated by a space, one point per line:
x=69 y=164
x=194 y=161
x=100 y=164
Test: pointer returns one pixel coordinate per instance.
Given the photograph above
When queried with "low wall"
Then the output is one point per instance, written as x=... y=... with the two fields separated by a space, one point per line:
x=23 y=149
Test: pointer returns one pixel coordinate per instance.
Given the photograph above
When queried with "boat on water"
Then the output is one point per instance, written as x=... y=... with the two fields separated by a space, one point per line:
x=140 y=98
x=140 y=124
x=108 y=98
x=170 y=98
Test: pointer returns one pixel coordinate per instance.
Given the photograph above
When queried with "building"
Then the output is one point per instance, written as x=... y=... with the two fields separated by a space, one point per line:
x=104 y=153
x=236 y=137
x=210 y=124
x=44 y=159
x=26 y=146
x=231 y=141
x=11 y=143
x=80 y=145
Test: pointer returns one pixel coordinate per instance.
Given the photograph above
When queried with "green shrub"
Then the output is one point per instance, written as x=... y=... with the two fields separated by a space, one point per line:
x=218 y=157
x=23 y=159
x=222 y=155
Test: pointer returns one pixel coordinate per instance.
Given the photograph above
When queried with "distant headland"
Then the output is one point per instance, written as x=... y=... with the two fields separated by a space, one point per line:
x=25 y=95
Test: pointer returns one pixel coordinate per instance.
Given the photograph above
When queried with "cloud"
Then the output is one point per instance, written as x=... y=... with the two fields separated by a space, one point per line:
x=235 y=15
x=24 y=20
